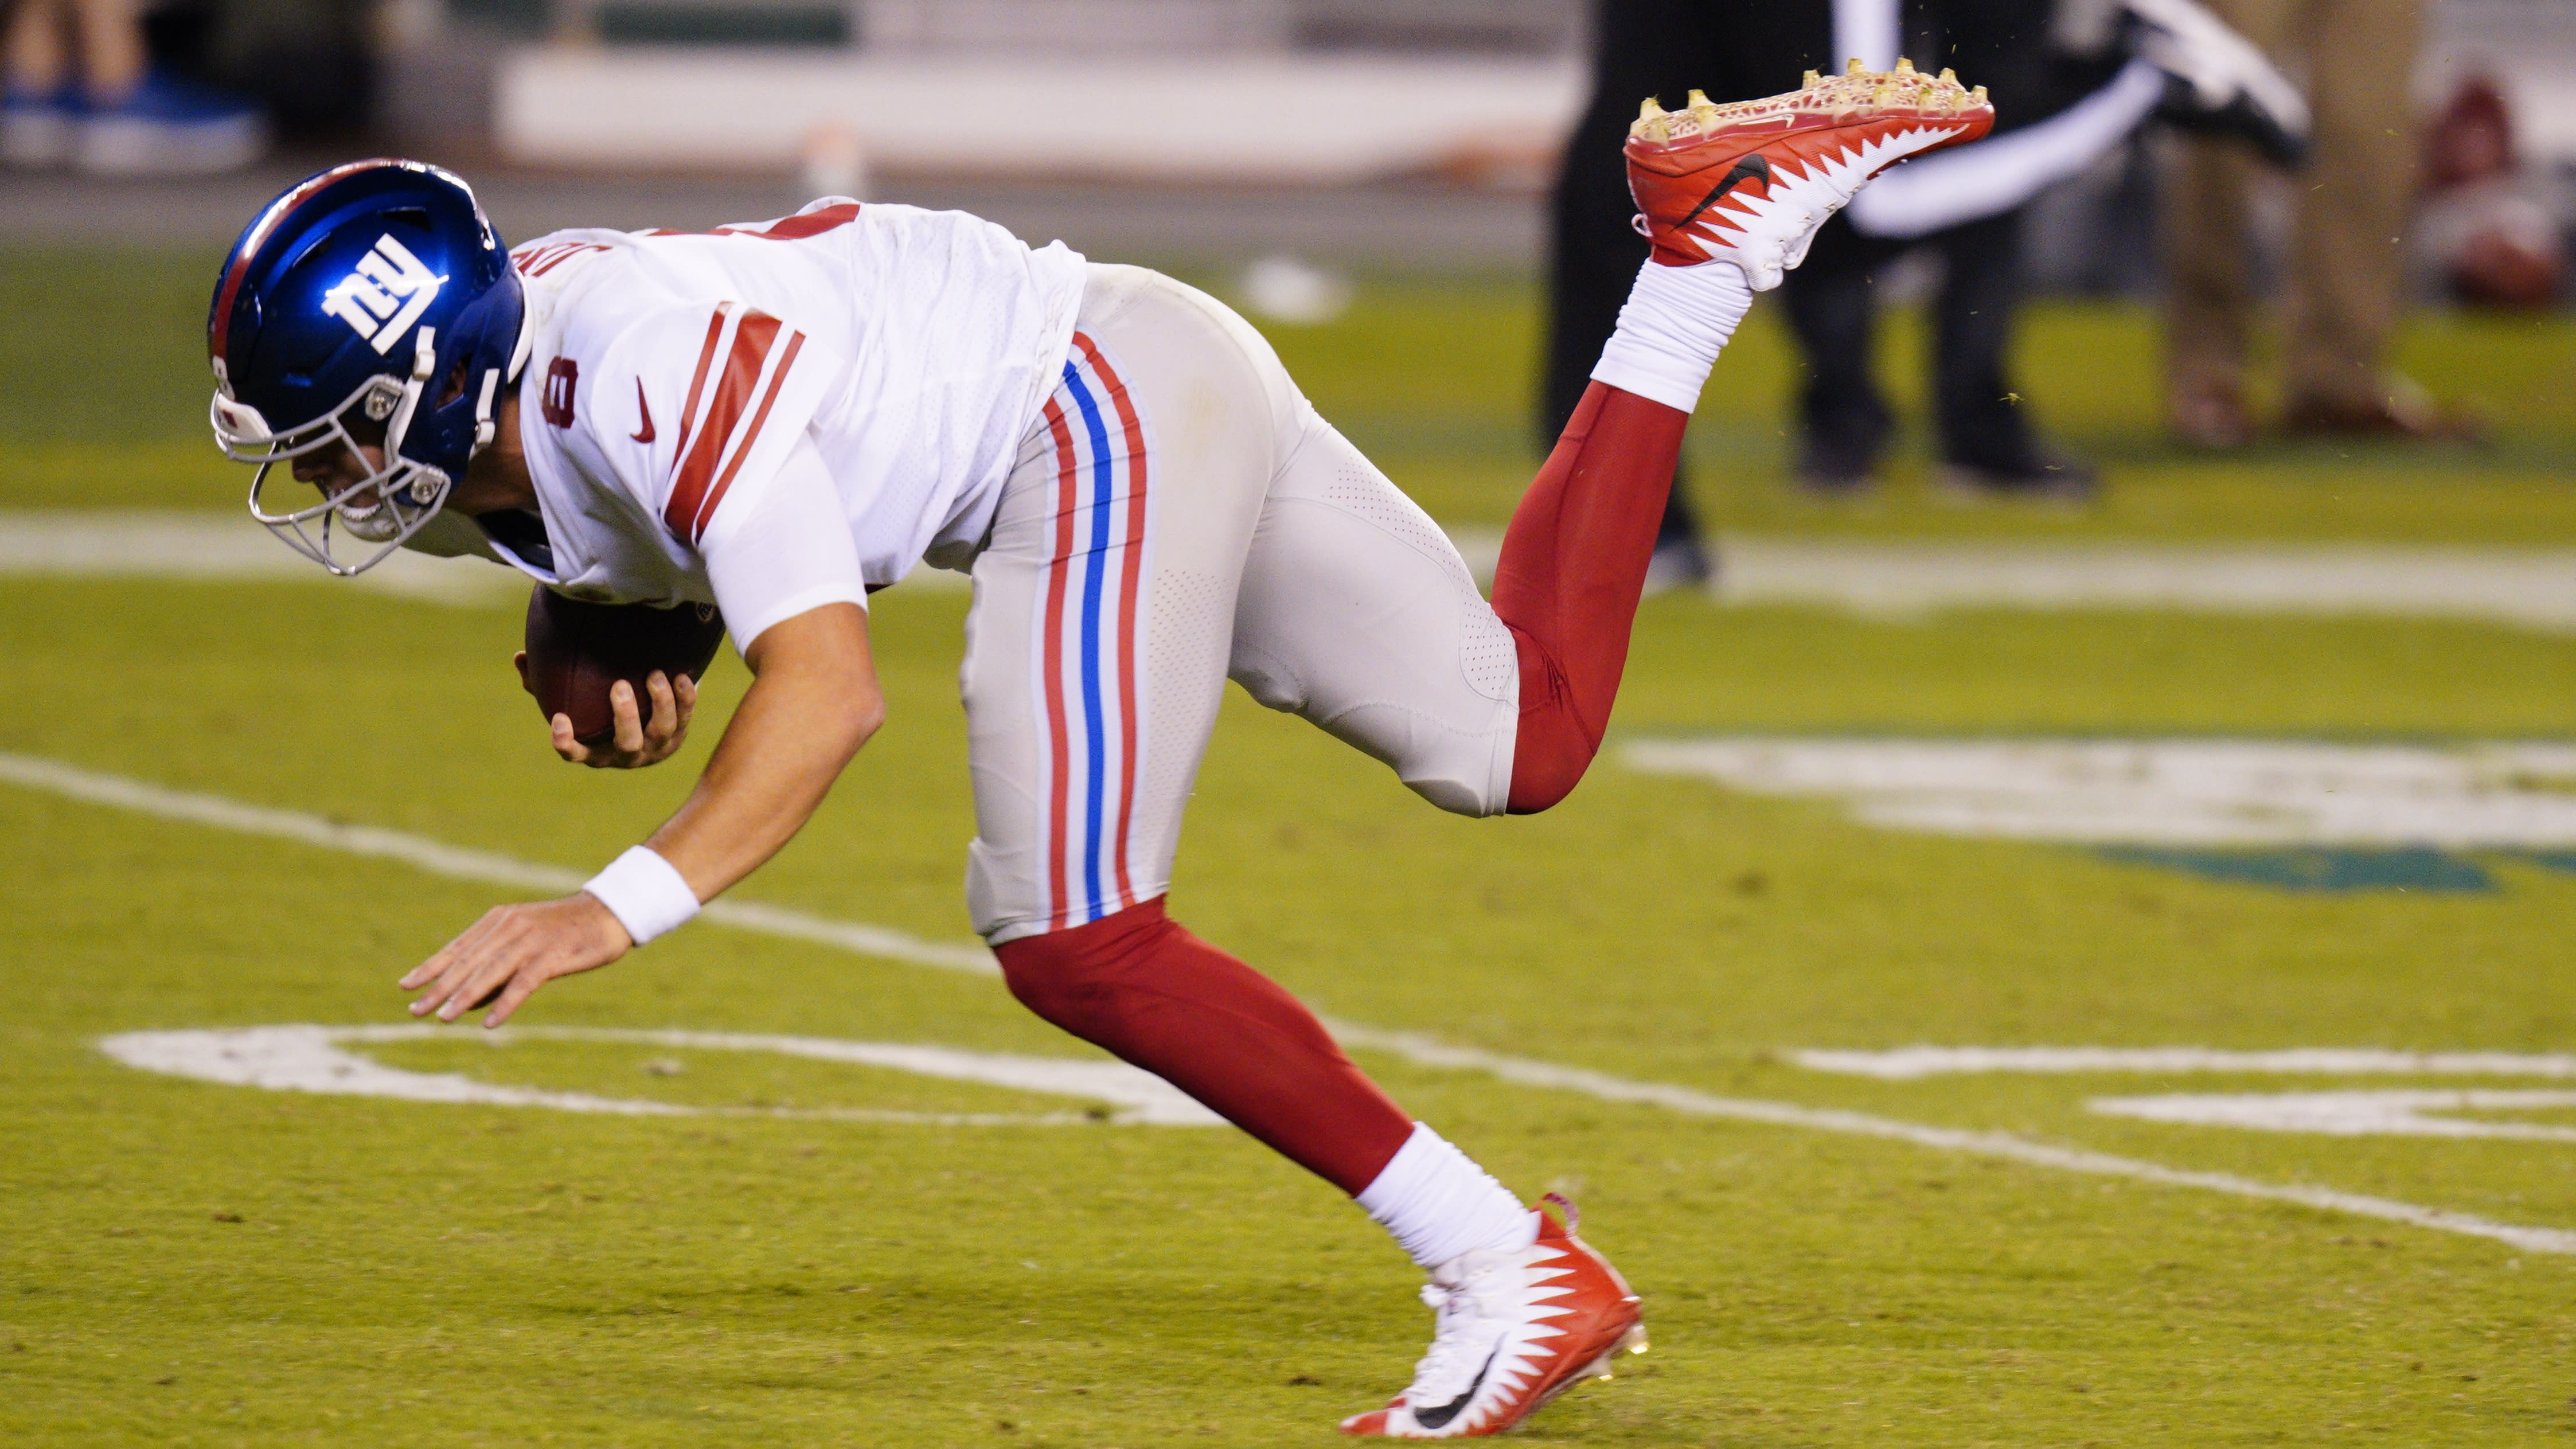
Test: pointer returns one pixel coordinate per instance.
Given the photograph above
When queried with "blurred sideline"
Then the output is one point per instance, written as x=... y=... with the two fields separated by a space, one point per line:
x=2526 y=588
x=1422 y=224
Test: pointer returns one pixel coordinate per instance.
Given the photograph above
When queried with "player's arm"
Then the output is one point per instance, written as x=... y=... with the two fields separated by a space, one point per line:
x=787 y=576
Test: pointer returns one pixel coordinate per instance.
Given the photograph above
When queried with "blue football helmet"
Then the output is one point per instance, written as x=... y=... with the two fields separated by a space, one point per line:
x=370 y=306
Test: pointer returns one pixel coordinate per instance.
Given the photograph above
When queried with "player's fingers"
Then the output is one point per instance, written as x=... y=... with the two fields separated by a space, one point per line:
x=566 y=743
x=447 y=955
x=447 y=972
x=666 y=709
x=485 y=973
x=630 y=723
x=521 y=985
x=686 y=690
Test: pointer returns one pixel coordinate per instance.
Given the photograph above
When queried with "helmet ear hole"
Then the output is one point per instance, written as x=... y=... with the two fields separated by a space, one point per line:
x=454 y=388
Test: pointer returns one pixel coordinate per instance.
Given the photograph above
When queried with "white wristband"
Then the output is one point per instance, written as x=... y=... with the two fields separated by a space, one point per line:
x=645 y=893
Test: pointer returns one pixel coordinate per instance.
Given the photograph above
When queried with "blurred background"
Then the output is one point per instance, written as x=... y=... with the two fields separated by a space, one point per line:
x=1369 y=179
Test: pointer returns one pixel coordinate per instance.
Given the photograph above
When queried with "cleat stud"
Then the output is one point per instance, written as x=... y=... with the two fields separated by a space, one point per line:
x=1977 y=96
x=1699 y=101
x=1949 y=76
x=1855 y=67
x=1904 y=66
x=1811 y=81
x=1647 y=110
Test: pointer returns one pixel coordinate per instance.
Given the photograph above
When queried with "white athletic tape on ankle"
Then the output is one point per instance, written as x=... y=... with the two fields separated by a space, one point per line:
x=645 y=893
x=1439 y=1204
x=1675 y=322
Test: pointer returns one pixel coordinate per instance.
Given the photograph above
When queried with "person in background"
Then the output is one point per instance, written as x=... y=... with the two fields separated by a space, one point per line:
x=81 y=91
x=2345 y=267
x=2167 y=60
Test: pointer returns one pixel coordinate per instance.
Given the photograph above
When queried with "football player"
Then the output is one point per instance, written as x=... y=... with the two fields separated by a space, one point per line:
x=777 y=417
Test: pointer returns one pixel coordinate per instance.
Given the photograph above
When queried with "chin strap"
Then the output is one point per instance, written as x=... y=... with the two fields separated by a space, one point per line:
x=485 y=429
x=424 y=363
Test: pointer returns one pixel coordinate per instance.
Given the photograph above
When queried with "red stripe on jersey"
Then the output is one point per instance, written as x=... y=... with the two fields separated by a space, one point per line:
x=786 y=228
x=750 y=436
x=811 y=223
x=1132 y=568
x=752 y=335
x=706 y=359
x=1060 y=746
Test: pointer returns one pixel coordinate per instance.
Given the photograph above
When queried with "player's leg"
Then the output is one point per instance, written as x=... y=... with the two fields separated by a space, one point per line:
x=1097 y=649
x=1745 y=184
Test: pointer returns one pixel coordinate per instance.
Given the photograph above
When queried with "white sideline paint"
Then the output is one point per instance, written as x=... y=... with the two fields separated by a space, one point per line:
x=115 y=791
x=1906 y=1064
x=457 y=863
x=311 y=1059
x=2352 y=1114
x=2532 y=588
x=2167 y=792
x=227 y=547
x=230 y=548
x=2528 y=588
x=1427 y=1052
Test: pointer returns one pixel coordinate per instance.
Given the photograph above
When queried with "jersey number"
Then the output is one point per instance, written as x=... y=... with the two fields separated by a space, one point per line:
x=561 y=374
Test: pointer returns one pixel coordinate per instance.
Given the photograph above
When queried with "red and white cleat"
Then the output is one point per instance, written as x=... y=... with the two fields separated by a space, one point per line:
x=1515 y=1329
x=1750 y=182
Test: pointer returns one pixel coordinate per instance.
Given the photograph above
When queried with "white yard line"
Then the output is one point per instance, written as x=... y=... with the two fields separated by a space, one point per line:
x=1905 y=1064
x=1696 y=1103
x=2528 y=587
x=227 y=547
x=2532 y=588
x=116 y=791
x=458 y=863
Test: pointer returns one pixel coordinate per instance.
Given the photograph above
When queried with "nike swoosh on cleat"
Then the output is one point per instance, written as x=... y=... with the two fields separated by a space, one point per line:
x=1751 y=168
x=1439 y=1418
x=645 y=434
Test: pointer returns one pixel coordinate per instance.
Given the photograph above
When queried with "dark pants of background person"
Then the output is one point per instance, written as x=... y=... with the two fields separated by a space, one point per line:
x=1735 y=49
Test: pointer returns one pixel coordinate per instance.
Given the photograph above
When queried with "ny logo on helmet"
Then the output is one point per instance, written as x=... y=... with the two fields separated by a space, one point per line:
x=385 y=295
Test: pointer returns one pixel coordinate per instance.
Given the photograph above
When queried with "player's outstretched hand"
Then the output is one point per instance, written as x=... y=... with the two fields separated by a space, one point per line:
x=511 y=952
x=636 y=742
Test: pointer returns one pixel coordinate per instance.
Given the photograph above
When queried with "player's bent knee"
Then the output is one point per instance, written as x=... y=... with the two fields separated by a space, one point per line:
x=1076 y=978
x=1544 y=772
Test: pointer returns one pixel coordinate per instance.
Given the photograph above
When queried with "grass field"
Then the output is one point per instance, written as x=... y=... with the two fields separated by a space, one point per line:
x=184 y=1262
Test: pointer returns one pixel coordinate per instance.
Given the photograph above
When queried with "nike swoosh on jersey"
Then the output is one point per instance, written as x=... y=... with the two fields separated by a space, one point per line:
x=645 y=433
x=1751 y=168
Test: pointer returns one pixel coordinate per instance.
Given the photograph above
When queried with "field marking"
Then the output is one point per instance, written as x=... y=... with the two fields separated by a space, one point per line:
x=460 y=863
x=1521 y=1070
x=2351 y=1114
x=228 y=547
x=116 y=791
x=304 y=1058
x=2497 y=794
x=2533 y=588
x=1906 y=1064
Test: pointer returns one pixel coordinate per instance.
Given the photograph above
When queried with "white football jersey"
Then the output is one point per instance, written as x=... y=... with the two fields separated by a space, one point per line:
x=672 y=375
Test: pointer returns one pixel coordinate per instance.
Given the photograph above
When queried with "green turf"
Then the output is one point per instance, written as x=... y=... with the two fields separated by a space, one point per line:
x=190 y=1264
x=411 y=1274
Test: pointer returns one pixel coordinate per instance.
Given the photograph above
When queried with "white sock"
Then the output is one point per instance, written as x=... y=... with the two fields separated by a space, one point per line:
x=1675 y=322
x=1439 y=1204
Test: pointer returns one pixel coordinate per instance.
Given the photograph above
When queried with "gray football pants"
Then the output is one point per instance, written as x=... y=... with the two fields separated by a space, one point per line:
x=1180 y=515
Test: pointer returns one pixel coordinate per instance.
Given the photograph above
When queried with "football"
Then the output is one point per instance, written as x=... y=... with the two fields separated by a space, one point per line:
x=577 y=650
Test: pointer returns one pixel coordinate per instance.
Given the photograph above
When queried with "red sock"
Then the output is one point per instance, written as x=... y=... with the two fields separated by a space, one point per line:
x=1139 y=985
x=1573 y=567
